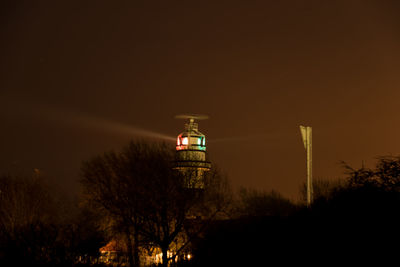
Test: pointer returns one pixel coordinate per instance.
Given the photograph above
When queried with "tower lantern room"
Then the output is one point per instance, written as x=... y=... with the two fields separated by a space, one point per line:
x=191 y=158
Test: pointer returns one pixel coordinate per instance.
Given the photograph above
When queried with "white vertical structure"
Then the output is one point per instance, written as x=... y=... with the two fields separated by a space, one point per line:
x=306 y=133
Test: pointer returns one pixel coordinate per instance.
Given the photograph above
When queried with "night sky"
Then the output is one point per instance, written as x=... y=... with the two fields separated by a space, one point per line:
x=78 y=78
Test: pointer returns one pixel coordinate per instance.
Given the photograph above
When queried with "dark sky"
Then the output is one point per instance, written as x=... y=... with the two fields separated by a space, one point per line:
x=73 y=73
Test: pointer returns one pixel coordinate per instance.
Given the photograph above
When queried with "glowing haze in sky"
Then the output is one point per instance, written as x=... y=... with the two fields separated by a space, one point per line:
x=259 y=69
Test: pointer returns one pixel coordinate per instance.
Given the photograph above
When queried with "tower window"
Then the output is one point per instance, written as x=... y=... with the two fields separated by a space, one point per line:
x=185 y=141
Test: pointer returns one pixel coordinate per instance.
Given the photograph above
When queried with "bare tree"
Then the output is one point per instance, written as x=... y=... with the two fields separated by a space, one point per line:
x=28 y=220
x=113 y=191
x=37 y=228
x=385 y=176
x=146 y=198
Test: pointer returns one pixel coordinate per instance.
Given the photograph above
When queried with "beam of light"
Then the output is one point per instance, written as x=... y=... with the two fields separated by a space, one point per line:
x=101 y=124
x=87 y=121
x=112 y=126
x=57 y=115
x=246 y=138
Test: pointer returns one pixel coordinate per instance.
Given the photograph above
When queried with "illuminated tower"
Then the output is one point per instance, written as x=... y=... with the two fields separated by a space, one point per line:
x=191 y=153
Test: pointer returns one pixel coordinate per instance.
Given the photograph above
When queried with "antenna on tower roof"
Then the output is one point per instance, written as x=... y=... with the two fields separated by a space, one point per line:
x=191 y=125
x=192 y=117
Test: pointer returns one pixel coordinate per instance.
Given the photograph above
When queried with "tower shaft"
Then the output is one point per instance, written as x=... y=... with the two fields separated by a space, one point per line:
x=306 y=132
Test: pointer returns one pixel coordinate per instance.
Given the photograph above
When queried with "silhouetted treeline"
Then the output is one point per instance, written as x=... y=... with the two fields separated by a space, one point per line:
x=355 y=221
x=352 y=221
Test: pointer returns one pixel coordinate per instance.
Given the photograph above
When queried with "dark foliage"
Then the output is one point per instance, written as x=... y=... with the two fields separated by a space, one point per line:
x=253 y=203
x=35 y=231
x=356 y=223
x=354 y=226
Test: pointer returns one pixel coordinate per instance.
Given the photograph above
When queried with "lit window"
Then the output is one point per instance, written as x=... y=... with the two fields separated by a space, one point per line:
x=199 y=141
x=178 y=141
x=204 y=142
x=185 y=141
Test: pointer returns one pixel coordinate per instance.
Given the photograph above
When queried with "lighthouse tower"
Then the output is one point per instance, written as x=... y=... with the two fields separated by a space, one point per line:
x=191 y=157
